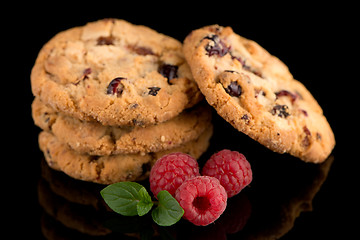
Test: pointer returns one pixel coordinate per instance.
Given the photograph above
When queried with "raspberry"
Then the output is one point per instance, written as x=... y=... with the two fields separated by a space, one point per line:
x=202 y=198
x=231 y=168
x=170 y=171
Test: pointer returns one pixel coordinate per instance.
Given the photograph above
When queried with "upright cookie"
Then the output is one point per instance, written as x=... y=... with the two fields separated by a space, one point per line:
x=96 y=139
x=113 y=168
x=255 y=92
x=114 y=72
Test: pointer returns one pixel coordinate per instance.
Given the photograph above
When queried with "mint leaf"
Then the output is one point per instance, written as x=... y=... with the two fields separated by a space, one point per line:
x=123 y=197
x=169 y=211
x=131 y=199
x=145 y=204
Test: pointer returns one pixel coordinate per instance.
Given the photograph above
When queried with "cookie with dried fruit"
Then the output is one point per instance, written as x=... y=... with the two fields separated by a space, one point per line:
x=116 y=73
x=255 y=92
x=95 y=139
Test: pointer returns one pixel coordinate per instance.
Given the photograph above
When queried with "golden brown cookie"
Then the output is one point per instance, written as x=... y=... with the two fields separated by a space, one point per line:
x=96 y=139
x=113 y=168
x=255 y=92
x=116 y=73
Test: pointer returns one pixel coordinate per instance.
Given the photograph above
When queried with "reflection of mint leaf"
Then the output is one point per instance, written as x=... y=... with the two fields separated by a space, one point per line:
x=168 y=210
x=122 y=197
x=145 y=204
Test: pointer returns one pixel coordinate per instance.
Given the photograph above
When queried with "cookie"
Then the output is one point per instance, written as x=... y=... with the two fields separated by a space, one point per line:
x=96 y=139
x=116 y=73
x=113 y=168
x=255 y=92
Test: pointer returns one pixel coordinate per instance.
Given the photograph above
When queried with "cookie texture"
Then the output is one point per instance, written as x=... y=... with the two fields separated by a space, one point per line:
x=116 y=73
x=112 y=168
x=255 y=92
x=96 y=139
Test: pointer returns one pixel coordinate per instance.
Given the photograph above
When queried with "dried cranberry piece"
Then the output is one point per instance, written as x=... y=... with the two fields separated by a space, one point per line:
x=115 y=86
x=153 y=90
x=216 y=46
x=143 y=51
x=84 y=76
x=169 y=71
x=109 y=40
x=280 y=110
x=304 y=112
x=86 y=72
x=234 y=89
x=257 y=73
x=238 y=58
x=307 y=139
x=246 y=67
x=286 y=93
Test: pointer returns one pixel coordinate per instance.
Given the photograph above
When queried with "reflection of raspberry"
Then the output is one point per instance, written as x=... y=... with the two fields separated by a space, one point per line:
x=202 y=198
x=170 y=171
x=236 y=215
x=231 y=168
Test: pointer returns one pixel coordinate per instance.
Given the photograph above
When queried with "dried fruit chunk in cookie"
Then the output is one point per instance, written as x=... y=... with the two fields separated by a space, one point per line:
x=255 y=92
x=116 y=73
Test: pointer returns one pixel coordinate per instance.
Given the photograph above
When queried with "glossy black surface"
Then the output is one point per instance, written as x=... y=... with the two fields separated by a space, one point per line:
x=288 y=199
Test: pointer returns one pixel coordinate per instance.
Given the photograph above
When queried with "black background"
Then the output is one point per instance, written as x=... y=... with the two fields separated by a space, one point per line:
x=316 y=42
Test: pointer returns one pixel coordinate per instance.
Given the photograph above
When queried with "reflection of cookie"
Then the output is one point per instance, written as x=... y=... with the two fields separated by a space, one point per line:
x=256 y=93
x=113 y=168
x=80 y=192
x=84 y=219
x=114 y=72
x=277 y=216
x=95 y=139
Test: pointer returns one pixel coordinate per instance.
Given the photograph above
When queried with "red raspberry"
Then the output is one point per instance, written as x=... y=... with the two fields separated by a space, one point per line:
x=231 y=168
x=202 y=198
x=170 y=171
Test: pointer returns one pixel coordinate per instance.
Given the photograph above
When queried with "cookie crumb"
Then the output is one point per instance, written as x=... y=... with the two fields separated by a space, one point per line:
x=162 y=138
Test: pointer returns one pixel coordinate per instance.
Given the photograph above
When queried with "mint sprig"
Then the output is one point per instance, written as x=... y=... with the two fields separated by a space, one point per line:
x=131 y=199
x=145 y=204
x=168 y=211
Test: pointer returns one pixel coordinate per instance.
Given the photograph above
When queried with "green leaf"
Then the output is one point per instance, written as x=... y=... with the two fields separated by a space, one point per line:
x=123 y=197
x=145 y=204
x=169 y=211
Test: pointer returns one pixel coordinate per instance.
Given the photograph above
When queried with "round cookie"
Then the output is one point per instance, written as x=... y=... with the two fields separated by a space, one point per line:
x=116 y=73
x=113 y=168
x=255 y=92
x=96 y=139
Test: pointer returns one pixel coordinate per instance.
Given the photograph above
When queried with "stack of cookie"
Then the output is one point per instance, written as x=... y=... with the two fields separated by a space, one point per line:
x=112 y=98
